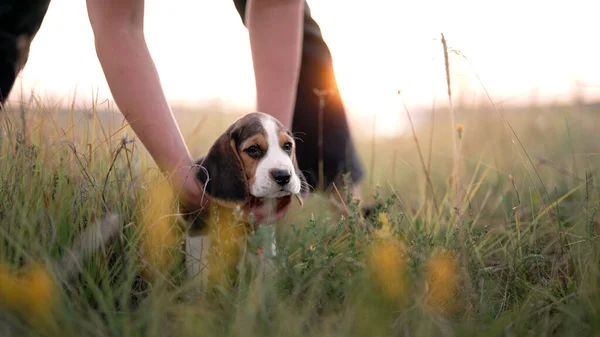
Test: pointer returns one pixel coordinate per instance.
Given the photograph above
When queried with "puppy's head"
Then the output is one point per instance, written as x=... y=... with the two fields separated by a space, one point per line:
x=254 y=157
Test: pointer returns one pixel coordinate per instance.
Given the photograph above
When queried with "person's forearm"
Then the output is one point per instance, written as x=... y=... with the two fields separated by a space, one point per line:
x=136 y=89
x=275 y=29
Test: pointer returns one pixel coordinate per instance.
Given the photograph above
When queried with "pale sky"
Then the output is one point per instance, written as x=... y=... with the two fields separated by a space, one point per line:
x=201 y=50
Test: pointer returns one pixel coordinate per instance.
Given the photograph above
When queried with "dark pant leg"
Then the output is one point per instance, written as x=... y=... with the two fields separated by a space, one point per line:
x=20 y=21
x=316 y=72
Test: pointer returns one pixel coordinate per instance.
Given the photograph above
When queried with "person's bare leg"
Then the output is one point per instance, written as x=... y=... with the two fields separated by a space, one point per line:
x=275 y=30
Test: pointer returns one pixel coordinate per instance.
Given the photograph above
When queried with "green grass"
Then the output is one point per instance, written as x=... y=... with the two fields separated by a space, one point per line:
x=527 y=263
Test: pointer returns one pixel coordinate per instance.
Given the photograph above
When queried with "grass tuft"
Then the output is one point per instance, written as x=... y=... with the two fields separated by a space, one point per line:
x=522 y=259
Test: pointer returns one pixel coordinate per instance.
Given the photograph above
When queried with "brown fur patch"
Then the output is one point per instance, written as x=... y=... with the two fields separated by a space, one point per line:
x=284 y=137
x=250 y=164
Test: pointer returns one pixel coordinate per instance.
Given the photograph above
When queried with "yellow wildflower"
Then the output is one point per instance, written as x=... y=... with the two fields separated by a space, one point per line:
x=386 y=228
x=160 y=229
x=459 y=129
x=389 y=267
x=29 y=292
x=442 y=281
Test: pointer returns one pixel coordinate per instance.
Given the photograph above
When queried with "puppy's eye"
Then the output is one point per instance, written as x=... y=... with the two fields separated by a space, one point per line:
x=287 y=147
x=254 y=151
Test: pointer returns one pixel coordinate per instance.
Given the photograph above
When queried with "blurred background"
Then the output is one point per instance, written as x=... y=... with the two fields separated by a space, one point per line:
x=512 y=188
x=533 y=52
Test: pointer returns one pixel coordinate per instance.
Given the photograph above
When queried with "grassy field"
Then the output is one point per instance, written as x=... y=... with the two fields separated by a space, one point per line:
x=512 y=252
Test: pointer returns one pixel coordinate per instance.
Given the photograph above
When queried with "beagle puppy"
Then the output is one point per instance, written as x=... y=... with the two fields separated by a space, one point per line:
x=253 y=161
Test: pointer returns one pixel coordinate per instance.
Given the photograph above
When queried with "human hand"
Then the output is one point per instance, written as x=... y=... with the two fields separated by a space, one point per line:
x=189 y=190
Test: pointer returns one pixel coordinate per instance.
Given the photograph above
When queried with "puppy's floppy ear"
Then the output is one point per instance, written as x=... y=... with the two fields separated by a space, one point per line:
x=221 y=170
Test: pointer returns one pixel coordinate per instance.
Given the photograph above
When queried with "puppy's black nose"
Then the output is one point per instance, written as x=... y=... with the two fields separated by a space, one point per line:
x=281 y=177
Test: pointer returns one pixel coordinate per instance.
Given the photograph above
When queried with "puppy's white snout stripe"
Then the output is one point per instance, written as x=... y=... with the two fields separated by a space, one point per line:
x=276 y=171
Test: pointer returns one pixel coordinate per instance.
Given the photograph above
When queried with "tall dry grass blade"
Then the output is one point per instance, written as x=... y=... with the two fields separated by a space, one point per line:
x=514 y=185
x=430 y=150
x=89 y=177
x=122 y=146
x=95 y=120
x=570 y=138
x=507 y=126
x=406 y=209
x=105 y=141
x=23 y=118
x=196 y=129
x=511 y=133
x=423 y=165
x=473 y=186
x=555 y=203
x=394 y=165
x=321 y=94
x=455 y=159
x=456 y=178
x=372 y=168
x=72 y=114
